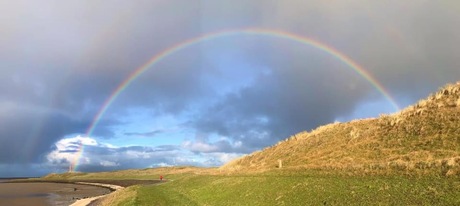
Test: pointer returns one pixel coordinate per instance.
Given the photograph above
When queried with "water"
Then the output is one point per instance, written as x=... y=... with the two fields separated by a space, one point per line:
x=6 y=179
x=46 y=194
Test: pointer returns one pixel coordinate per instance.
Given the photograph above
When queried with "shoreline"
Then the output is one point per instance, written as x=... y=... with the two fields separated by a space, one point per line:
x=47 y=193
x=88 y=201
x=80 y=192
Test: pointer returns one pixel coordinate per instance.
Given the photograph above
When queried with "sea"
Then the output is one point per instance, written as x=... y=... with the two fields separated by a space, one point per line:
x=6 y=179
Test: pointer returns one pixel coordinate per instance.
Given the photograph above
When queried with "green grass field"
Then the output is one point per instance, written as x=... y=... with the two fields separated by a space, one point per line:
x=293 y=189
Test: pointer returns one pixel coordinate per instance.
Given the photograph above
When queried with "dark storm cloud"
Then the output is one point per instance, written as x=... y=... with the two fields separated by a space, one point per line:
x=412 y=52
x=61 y=60
x=24 y=170
x=28 y=135
x=29 y=120
x=280 y=104
x=66 y=59
x=409 y=46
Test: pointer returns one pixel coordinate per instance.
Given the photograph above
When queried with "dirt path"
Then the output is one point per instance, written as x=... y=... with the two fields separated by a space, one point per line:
x=87 y=201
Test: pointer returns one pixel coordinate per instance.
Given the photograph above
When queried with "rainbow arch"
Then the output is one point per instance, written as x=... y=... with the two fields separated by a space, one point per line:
x=228 y=33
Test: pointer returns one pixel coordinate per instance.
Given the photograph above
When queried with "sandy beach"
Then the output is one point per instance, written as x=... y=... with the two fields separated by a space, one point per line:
x=87 y=201
x=45 y=194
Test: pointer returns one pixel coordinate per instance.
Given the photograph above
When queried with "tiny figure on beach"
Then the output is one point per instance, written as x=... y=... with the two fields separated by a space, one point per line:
x=161 y=177
x=74 y=189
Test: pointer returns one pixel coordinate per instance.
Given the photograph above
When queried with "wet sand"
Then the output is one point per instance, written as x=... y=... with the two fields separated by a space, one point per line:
x=45 y=194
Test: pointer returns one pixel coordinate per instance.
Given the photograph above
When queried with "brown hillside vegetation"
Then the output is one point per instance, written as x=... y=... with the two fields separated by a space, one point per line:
x=421 y=139
x=133 y=174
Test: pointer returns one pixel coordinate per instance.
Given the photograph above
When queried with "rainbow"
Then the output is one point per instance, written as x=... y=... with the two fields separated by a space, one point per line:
x=228 y=33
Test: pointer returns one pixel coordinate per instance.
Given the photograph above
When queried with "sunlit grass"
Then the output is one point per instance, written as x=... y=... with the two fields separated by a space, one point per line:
x=299 y=190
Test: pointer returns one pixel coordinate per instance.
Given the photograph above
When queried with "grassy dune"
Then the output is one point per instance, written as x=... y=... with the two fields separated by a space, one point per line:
x=421 y=139
x=408 y=158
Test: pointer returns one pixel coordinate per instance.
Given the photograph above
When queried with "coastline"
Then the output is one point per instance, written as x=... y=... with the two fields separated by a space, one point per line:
x=61 y=192
x=47 y=193
x=88 y=201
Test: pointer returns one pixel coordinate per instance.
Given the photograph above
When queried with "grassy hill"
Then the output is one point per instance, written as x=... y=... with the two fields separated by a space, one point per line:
x=423 y=138
x=408 y=158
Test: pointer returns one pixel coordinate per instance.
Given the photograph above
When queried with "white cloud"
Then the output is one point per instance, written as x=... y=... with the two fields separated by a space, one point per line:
x=106 y=163
x=222 y=145
x=199 y=146
x=68 y=143
x=220 y=158
x=138 y=154
x=162 y=164
x=98 y=156
x=68 y=149
x=226 y=157
x=213 y=153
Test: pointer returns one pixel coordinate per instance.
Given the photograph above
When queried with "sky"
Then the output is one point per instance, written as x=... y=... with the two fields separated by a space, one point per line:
x=207 y=103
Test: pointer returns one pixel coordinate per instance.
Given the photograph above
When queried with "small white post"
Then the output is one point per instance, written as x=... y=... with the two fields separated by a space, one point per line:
x=280 y=164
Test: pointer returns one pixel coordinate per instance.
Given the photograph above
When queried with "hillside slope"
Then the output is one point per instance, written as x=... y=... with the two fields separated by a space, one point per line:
x=423 y=138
